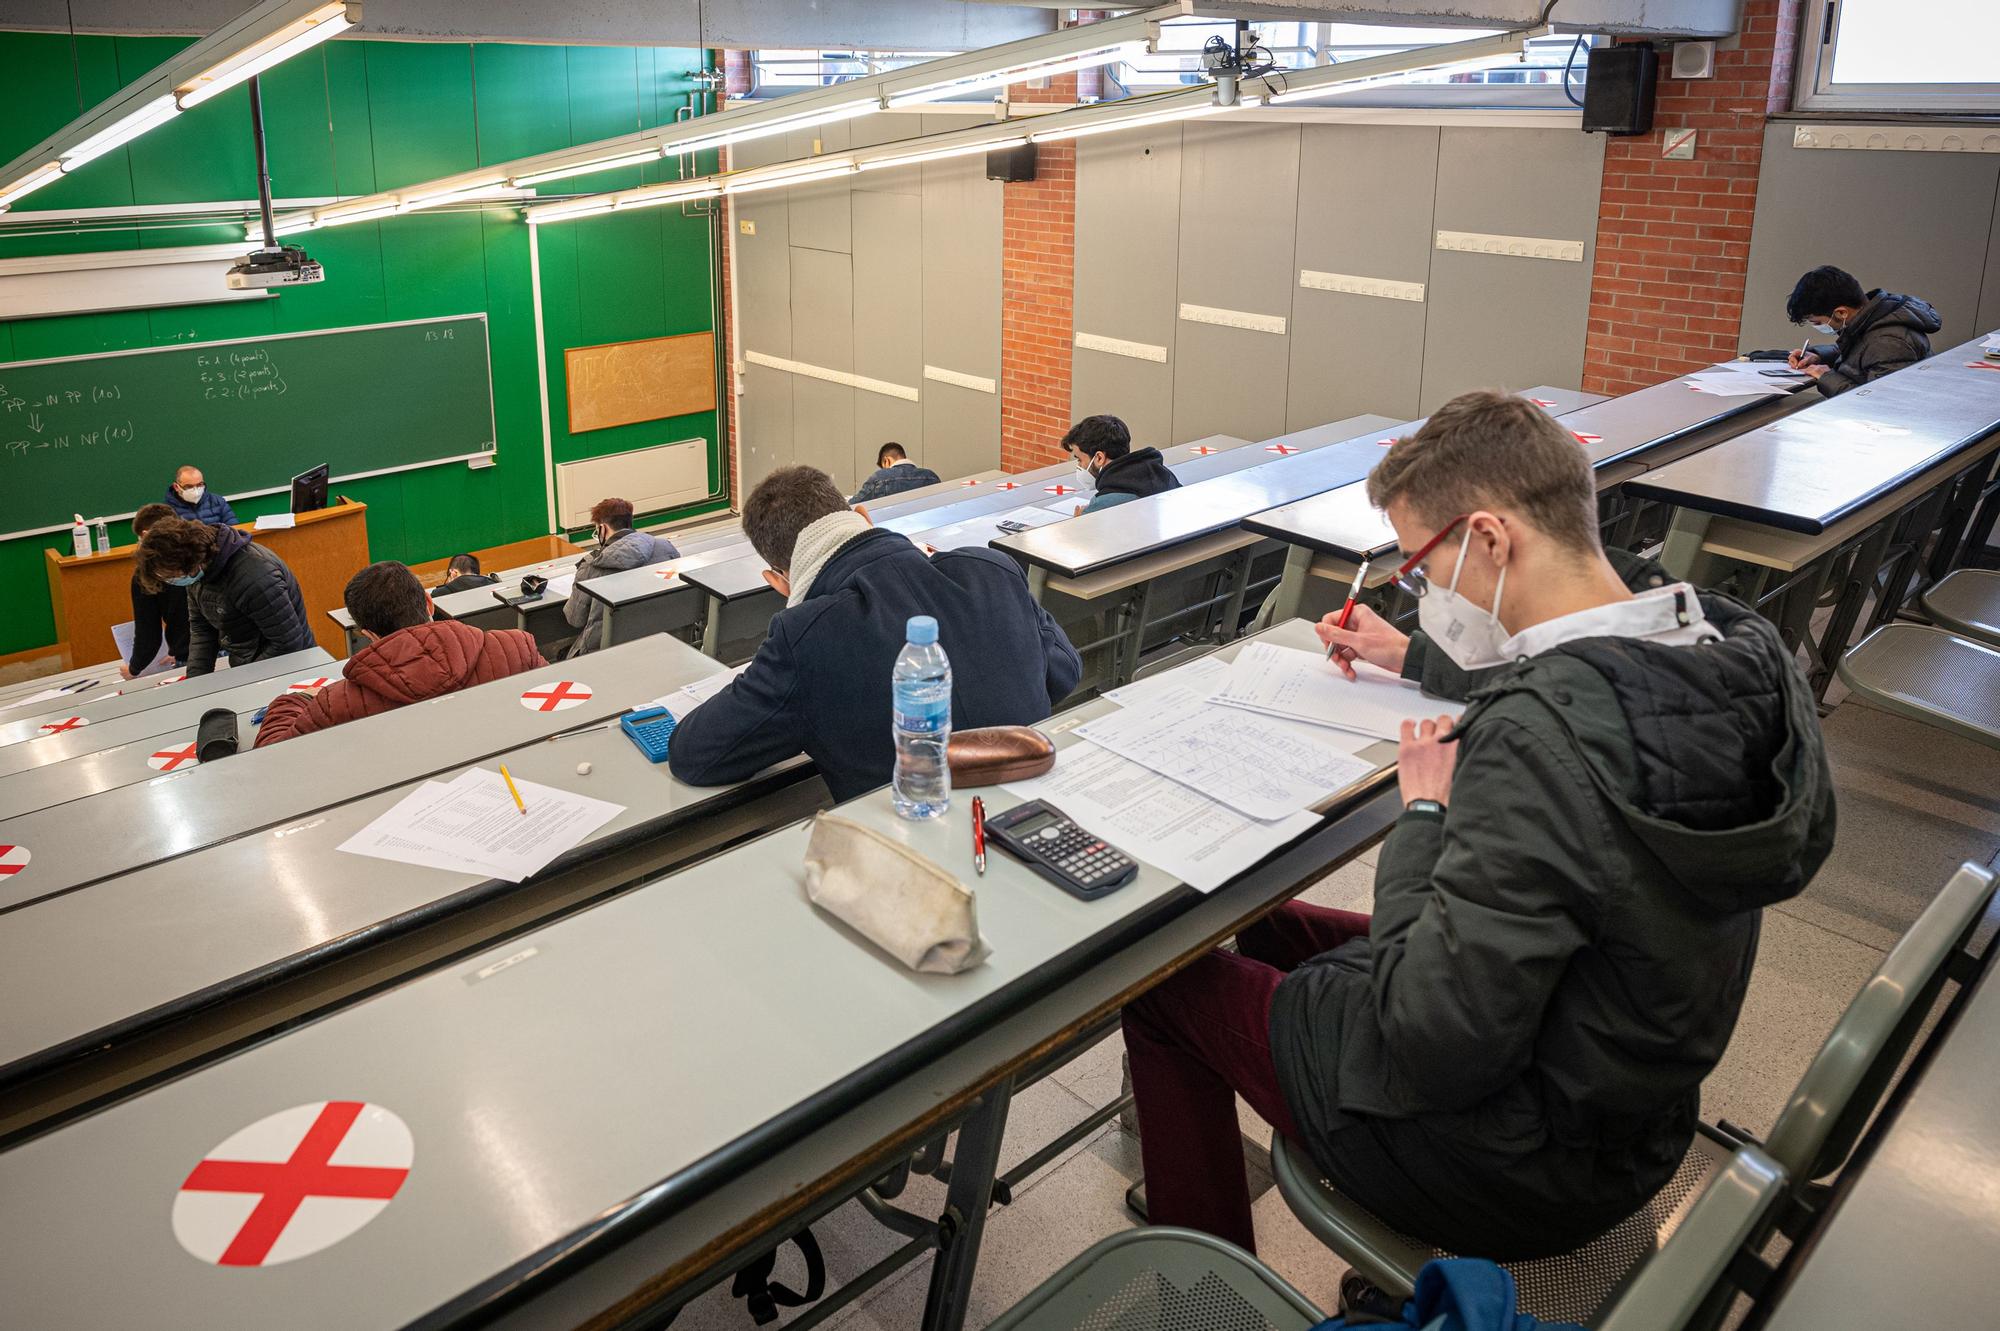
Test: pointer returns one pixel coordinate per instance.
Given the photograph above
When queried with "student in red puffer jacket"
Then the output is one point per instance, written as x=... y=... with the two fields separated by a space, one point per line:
x=408 y=658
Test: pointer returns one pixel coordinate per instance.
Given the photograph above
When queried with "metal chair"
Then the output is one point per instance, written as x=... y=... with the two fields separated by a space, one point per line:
x=1929 y=675
x=1162 y=1280
x=1684 y=1288
x=1968 y=603
x=1814 y=1136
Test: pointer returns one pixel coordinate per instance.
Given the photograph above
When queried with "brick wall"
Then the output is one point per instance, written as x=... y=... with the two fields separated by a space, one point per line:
x=1673 y=237
x=1037 y=297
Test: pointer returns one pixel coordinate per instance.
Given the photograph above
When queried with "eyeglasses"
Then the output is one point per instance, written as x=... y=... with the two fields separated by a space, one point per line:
x=1412 y=579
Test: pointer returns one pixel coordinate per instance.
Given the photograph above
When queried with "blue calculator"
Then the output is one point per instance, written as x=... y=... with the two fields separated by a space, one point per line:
x=650 y=728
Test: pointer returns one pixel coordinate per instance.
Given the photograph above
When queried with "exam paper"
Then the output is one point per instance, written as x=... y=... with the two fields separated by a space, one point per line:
x=1738 y=385
x=1196 y=839
x=1255 y=764
x=43 y=696
x=121 y=637
x=1182 y=687
x=1068 y=506
x=560 y=584
x=471 y=824
x=688 y=697
x=1281 y=681
x=276 y=522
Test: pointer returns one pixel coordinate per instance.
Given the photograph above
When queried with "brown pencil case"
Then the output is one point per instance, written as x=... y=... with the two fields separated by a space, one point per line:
x=998 y=754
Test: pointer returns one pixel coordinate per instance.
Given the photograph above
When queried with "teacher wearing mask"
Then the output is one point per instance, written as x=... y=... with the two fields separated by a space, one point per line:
x=189 y=497
x=243 y=601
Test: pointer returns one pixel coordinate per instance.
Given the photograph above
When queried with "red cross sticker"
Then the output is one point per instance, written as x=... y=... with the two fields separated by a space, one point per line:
x=1202 y=450
x=1583 y=438
x=556 y=697
x=969 y=482
x=274 y=1192
x=1282 y=450
x=1543 y=403
x=307 y=685
x=1982 y=365
x=1008 y=485
x=65 y=725
x=13 y=859
x=166 y=760
x=1061 y=490
x=1386 y=443
x=664 y=574
x=171 y=679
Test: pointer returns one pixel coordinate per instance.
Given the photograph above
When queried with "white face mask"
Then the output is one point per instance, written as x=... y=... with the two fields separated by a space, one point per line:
x=1471 y=637
x=1827 y=329
x=193 y=493
x=1084 y=472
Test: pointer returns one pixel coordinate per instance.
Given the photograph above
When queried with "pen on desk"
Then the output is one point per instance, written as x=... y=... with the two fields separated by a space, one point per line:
x=979 y=835
x=508 y=777
x=1353 y=591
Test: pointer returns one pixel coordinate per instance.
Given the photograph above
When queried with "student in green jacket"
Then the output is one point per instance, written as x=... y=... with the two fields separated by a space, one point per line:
x=1506 y=1060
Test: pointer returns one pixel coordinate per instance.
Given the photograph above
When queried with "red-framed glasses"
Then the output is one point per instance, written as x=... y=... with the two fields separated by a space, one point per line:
x=1411 y=578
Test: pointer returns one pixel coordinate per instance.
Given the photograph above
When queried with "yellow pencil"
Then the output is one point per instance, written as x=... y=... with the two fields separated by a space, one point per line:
x=508 y=777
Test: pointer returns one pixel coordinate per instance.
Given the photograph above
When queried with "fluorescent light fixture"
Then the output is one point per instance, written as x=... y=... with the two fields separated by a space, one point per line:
x=764 y=129
x=804 y=175
x=1105 y=125
x=564 y=212
x=285 y=226
x=303 y=33
x=939 y=154
x=1377 y=71
x=586 y=168
x=470 y=194
x=647 y=196
x=1022 y=73
x=120 y=132
x=368 y=214
x=28 y=184
x=463 y=189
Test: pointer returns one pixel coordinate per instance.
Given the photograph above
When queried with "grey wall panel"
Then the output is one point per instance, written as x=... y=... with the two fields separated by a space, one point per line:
x=1917 y=222
x=764 y=430
x=822 y=218
x=1495 y=320
x=1366 y=193
x=960 y=273
x=763 y=272
x=1128 y=190
x=888 y=322
x=1239 y=212
x=823 y=335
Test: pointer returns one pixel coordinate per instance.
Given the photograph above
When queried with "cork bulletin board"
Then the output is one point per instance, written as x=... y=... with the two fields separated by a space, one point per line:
x=619 y=383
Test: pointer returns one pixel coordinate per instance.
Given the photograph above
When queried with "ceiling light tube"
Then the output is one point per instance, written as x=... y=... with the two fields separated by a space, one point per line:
x=285 y=226
x=702 y=189
x=118 y=133
x=28 y=184
x=939 y=154
x=359 y=214
x=1001 y=78
x=327 y=21
x=409 y=202
x=819 y=172
x=764 y=129
x=469 y=194
x=1084 y=129
x=586 y=168
x=564 y=212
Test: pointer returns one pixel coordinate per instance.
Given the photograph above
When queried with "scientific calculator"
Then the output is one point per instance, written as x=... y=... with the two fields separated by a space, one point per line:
x=1043 y=837
x=650 y=728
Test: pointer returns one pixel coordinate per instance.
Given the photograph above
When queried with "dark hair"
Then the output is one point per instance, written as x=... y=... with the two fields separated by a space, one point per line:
x=1099 y=434
x=613 y=513
x=1489 y=449
x=149 y=515
x=173 y=548
x=463 y=564
x=1821 y=290
x=784 y=504
x=890 y=453
x=385 y=597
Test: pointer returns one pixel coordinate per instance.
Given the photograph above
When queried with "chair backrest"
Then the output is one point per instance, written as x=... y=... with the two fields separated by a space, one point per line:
x=1847 y=1078
x=1682 y=1284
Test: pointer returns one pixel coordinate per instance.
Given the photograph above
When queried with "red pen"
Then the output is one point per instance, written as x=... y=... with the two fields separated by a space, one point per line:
x=979 y=835
x=1353 y=591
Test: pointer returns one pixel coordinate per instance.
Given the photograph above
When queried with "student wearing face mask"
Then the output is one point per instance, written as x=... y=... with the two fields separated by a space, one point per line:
x=1875 y=332
x=1506 y=1059
x=189 y=497
x=242 y=599
x=619 y=547
x=1102 y=449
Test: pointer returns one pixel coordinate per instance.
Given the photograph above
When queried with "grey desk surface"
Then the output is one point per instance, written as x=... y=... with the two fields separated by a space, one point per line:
x=474 y=600
x=662 y=579
x=103 y=671
x=178 y=812
x=101 y=704
x=732 y=579
x=995 y=496
x=91 y=965
x=520 y=1153
x=1911 y=1239
x=1812 y=469
x=1156 y=522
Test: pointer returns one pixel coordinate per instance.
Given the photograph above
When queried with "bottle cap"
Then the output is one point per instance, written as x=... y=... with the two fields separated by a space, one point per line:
x=921 y=630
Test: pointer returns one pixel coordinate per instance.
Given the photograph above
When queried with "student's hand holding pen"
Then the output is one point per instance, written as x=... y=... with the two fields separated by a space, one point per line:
x=1367 y=637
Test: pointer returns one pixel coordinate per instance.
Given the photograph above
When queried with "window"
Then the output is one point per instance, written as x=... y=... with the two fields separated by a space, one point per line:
x=1891 y=55
x=780 y=71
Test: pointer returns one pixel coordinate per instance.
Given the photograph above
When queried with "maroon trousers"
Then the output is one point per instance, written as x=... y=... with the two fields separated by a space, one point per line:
x=1200 y=1039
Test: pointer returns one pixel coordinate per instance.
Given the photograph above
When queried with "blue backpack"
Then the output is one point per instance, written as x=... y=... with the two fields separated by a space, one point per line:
x=1460 y=1294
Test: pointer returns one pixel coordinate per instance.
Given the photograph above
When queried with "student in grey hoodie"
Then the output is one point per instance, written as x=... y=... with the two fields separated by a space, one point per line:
x=619 y=547
x=1876 y=332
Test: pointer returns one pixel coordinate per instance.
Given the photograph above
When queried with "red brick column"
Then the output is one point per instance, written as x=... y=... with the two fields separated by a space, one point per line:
x=1673 y=237
x=1037 y=298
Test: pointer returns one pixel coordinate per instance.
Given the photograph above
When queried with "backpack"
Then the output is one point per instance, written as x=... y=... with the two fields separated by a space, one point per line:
x=1456 y=1294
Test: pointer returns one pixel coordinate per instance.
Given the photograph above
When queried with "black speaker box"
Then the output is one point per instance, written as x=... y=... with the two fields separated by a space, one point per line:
x=1011 y=164
x=1618 y=95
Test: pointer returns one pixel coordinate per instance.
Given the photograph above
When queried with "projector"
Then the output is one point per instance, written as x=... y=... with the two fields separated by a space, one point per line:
x=284 y=266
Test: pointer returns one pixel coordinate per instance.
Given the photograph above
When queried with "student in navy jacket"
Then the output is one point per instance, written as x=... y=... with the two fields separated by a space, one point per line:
x=820 y=683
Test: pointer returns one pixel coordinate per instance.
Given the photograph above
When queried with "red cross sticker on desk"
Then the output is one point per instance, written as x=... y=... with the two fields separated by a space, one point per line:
x=1008 y=485
x=299 y=1200
x=13 y=859
x=556 y=697
x=972 y=482
x=1282 y=450
x=1583 y=438
x=1061 y=489
x=1543 y=403
x=166 y=760
x=1201 y=450
x=664 y=574
x=307 y=685
x=65 y=725
x=171 y=679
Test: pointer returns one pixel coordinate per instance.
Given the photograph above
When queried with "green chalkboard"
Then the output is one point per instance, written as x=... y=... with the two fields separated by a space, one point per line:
x=101 y=435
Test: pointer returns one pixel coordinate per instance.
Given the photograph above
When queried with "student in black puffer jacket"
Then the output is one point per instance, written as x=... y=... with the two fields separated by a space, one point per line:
x=243 y=602
x=1875 y=332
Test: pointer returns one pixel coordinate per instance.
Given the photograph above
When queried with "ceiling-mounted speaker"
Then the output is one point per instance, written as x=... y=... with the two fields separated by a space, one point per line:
x=1692 y=60
x=1012 y=165
x=1618 y=95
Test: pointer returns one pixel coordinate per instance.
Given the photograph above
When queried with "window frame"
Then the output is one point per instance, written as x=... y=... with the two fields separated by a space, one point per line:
x=1814 y=89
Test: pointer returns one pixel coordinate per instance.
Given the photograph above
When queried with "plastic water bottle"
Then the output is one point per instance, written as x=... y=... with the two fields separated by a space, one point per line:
x=920 y=715
x=103 y=537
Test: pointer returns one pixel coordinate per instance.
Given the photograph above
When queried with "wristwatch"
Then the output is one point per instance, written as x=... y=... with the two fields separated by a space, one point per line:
x=1429 y=807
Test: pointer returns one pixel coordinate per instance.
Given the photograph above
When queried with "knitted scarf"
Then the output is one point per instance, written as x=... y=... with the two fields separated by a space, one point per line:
x=819 y=542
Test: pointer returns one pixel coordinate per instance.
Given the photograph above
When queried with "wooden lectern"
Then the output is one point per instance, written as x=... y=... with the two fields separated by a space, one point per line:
x=324 y=550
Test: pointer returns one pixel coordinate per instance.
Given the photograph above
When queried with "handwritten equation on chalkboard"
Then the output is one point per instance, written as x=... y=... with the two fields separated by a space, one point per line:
x=70 y=419
x=240 y=375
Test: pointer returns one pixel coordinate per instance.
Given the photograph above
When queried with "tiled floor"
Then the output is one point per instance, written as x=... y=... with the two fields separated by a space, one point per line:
x=1913 y=804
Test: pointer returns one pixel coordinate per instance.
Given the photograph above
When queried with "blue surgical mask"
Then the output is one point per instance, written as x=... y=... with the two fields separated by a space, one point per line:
x=189 y=581
x=1827 y=329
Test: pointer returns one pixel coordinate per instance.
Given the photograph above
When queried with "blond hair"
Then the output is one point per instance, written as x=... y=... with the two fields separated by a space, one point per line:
x=1493 y=450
